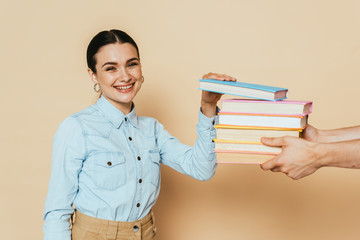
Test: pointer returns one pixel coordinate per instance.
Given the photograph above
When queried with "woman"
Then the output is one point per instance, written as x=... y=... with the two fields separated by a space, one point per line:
x=106 y=160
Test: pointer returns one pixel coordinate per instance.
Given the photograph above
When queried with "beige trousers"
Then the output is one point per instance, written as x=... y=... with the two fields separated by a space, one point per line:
x=89 y=228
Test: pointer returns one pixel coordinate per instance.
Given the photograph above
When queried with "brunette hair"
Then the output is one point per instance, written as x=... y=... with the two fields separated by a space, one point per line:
x=104 y=38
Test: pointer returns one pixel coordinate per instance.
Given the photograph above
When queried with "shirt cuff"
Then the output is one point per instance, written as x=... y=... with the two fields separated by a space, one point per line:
x=206 y=123
x=207 y=132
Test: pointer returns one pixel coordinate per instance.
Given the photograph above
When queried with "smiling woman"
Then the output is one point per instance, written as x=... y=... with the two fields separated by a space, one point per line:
x=118 y=73
x=106 y=160
x=114 y=65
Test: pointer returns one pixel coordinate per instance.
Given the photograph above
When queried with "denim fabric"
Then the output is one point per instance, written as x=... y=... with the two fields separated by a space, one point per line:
x=107 y=165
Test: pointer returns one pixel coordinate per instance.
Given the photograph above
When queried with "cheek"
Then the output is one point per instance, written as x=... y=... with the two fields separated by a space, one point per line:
x=106 y=78
x=139 y=84
x=136 y=72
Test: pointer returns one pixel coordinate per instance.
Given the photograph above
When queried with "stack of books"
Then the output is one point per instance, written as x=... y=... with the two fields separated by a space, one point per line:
x=243 y=122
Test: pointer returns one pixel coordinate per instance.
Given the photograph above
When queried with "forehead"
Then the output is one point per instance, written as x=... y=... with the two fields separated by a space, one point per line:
x=116 y=52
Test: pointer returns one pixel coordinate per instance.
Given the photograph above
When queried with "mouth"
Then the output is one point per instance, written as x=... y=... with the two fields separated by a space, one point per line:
x=124 y=88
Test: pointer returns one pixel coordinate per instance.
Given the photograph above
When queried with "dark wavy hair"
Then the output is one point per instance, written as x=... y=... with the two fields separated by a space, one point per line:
x=104 y=38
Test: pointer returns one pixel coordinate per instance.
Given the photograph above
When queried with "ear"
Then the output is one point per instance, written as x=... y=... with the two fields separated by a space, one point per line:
x=92 y=76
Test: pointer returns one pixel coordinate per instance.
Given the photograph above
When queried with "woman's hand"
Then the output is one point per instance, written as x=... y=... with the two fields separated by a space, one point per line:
x=209 y=99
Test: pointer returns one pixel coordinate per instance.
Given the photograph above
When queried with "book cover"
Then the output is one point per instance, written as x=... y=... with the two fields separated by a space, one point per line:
x=284 y=107
x=248 y=90
x=259 y=128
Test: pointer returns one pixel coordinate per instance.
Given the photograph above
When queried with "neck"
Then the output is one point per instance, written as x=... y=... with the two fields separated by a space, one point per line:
x=125 y=108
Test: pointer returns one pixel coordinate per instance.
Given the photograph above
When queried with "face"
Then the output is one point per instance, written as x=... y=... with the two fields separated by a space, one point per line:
x=118 y=71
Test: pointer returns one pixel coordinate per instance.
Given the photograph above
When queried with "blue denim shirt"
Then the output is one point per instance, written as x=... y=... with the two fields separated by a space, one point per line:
x=107 y=165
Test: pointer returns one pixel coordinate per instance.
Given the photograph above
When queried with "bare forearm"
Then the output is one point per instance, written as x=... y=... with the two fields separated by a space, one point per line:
x=344 y=154
x=339 y=135
x=208 y=109
x=300 y=158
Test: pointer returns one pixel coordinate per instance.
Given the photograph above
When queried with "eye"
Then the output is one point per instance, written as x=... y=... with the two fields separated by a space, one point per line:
x=110 y=69
x=132 y=64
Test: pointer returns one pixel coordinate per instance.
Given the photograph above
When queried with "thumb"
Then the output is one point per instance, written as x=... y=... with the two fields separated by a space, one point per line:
x=273 y=142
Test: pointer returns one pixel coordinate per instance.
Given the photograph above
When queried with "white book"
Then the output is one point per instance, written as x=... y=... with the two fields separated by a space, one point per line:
x=263 y=120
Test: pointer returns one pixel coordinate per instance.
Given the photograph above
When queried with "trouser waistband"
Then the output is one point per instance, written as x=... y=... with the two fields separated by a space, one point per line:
x=96 y=224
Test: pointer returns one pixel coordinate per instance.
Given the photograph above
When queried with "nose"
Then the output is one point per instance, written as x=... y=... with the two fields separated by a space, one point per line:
x=124 y=76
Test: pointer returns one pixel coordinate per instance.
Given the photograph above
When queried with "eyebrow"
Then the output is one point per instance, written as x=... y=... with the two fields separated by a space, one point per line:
x=115 y=63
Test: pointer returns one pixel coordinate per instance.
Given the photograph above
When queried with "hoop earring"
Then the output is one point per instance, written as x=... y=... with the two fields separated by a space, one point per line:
x=143 y=78
x=97 y=87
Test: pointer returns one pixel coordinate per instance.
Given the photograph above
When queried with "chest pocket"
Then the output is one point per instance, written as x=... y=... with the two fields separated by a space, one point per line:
x=110 y=170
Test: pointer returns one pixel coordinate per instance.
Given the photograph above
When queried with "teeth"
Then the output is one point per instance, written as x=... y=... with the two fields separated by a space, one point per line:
x=124 y=87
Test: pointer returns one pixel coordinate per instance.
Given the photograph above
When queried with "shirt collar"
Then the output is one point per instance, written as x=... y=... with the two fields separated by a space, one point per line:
x=114 y=115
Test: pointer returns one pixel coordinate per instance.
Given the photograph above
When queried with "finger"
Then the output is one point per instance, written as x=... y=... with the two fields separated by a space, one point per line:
x=273 y=142
x=226 y=77
x=275 y=169
x=294 y=176
x=208 y=75
x=218 y=76
x=268 y=165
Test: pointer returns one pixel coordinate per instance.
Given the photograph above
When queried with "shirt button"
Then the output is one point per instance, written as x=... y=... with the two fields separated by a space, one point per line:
x=135 y=228
x=139 y=158
x=109 y=163
x=140 y=180
x=130 y=138
x=138 y=205
x=213 y=122
x=125 y=119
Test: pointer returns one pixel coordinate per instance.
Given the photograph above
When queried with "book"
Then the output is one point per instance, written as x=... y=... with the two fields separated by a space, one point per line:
x=227 y=146
x=248 y=90
x=284 y=107
x=243 y=158
x=263 y=120
x=252 y=134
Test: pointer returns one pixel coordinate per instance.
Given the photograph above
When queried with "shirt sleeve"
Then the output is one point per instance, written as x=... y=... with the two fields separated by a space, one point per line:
x=198 y=161
x=67 y=158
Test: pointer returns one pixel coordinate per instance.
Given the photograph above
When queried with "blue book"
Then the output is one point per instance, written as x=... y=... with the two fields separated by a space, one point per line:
x=248 y=90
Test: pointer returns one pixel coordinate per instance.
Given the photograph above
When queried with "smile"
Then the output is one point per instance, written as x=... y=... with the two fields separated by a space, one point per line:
x=124 y=87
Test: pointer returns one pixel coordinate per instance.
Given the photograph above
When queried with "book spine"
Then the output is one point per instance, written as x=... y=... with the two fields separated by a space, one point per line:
x=245 y=152
x=246 y=85
x=260 y=101
x=245 y=96
x=257 y=128
x=263 y=114
x=259 y=162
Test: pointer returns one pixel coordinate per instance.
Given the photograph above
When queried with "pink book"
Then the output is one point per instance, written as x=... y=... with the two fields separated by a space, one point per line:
x=262 y=107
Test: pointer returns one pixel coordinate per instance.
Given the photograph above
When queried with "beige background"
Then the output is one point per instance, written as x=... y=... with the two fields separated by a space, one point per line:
x=311 y=47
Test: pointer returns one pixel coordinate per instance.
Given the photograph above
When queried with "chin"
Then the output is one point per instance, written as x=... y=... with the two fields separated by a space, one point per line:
x=124 y=101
